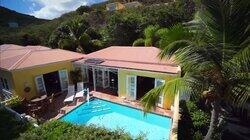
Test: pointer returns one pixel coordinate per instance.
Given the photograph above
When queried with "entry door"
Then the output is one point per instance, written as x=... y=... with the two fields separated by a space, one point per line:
x=131 y=87
x=40 y=84
x=159 y=82
x=105 y=76
x=63 y=74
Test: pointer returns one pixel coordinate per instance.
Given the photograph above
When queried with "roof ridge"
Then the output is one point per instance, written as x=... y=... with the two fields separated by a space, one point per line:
x=21 y=60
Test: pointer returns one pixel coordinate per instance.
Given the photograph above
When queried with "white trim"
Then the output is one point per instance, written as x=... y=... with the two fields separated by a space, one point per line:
x=60 y=78
x=128 y=86
x=37 y=86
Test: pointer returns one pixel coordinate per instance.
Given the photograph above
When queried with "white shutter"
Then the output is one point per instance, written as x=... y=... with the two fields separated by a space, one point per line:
x=131 y=87
x=159 y=82
x=40 y=84
x=63 y=74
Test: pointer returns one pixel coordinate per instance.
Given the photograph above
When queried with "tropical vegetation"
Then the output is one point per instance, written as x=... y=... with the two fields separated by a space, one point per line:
x=91 y=28
x=58 y=130
x=213 y=52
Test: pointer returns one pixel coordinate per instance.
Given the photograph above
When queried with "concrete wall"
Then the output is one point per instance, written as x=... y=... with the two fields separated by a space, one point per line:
x=122 y=77
x=26 y=77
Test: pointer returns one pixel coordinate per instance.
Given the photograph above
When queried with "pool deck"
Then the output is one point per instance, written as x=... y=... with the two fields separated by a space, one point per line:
x=67 y=108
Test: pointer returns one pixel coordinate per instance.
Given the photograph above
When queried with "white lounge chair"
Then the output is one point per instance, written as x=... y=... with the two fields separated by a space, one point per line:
x=80 y=90
x=71 y=94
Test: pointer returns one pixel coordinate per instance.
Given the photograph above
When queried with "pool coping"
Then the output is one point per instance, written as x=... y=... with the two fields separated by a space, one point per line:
x=68 y=109
x=117 y=104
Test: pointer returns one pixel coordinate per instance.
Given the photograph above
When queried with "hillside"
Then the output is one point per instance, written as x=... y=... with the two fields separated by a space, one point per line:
x=104 y=28
x=7 y=15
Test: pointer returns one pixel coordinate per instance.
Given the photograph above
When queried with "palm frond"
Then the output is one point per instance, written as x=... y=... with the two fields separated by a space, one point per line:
x=169 y=90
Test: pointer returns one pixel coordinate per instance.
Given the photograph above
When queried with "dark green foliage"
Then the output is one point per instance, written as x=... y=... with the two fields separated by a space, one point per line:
x=75 y=76
x=139 y=42
x=58 y=130
x=83 y=9
x=10 y=128
x=67 y=44
x=28 y=39
x=126 y=26
x=193 y=123
x=16 y=104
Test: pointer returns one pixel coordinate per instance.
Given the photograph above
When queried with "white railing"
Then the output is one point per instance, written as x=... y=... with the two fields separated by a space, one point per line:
x=5 y=95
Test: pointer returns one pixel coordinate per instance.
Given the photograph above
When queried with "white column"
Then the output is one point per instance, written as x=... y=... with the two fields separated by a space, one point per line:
x=94 y=81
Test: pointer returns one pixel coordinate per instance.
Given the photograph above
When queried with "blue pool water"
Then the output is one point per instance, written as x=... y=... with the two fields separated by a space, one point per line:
x=112 y=116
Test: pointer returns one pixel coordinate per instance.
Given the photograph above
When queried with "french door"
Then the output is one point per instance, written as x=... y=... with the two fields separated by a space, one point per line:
x=63 y=74
x=159 y=82
x=131 y=87
x=40 y=84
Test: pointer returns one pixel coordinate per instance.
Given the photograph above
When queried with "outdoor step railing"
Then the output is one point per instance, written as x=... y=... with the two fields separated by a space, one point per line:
x=5 y=95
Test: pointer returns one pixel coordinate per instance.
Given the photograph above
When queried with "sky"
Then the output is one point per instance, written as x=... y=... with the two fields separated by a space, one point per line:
x=45 y=9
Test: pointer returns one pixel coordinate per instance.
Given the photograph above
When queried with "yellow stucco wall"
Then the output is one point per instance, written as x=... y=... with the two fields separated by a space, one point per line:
x=122 y=75
x=26 y=77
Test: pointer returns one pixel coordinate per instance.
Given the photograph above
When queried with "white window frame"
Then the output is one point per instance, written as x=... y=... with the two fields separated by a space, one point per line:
x=161 y=98
x=67 y=79
x=128 y=87
x=37 y=86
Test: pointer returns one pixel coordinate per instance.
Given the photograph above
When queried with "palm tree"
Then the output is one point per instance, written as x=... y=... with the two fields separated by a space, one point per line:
x=150 y=34
x=215 y=61
x=75 y=35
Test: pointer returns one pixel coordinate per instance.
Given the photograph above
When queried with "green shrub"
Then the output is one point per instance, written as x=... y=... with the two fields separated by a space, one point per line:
x=194 y=121
x=197 y=135
x=10 y=127
x=16 y=104
x=200 y=120
x=57 y=130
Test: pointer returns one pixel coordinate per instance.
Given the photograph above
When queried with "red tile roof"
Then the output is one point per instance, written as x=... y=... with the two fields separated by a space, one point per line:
x=19 y=57
x=139 y=58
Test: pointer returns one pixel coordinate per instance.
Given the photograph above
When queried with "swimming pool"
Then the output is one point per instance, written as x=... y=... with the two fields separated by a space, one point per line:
x=112 y=116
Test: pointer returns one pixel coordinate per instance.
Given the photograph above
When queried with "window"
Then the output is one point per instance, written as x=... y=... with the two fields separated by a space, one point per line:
x=4 y=83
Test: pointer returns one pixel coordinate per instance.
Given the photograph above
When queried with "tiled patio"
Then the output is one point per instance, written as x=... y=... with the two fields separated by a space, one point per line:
x=60 y=108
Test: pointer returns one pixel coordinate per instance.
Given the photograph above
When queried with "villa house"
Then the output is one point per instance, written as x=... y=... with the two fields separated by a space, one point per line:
x=127 y=72
x=35 y=70
x=119 y=6
x=114 y=6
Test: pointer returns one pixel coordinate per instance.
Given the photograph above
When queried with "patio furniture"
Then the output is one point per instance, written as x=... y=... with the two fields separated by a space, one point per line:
x=71 y=94
x=80 y=90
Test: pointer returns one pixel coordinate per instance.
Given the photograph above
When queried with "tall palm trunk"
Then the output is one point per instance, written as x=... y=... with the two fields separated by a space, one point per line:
x=214 y=120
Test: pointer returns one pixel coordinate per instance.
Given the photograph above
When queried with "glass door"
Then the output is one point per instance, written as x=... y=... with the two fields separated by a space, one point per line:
x=105 y=78
x=159 y=82
x=63 y=74
x=131 y=87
